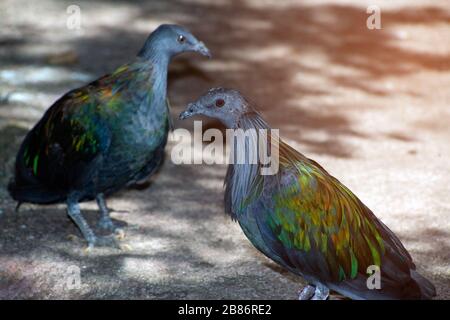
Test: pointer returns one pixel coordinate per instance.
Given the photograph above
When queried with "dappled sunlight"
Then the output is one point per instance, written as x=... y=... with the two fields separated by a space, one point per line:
x=371 y=106
x=47 y=75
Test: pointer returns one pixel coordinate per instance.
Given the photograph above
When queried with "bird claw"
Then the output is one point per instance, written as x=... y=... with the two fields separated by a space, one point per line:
x=72 y=237
x=88 y=249
x=318 y=292
x=306 y=293
x=106 y=241
x=106 y=223
x=126 y=247
x=119 y=234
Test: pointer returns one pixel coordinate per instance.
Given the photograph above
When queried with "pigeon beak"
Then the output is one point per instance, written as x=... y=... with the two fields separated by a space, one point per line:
x=189 y=112
x=202 y=49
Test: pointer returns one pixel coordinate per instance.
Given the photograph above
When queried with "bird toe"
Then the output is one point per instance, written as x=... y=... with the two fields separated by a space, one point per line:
x=105 y=241
x=119 y=234
x=306 y=293
x=72 y=237
x=126 y=247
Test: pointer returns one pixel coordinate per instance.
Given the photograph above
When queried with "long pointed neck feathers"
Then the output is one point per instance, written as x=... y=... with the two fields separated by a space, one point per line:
x=240 y=177
x=158 y=59
x=287 y=155
x=243 y=180
x=252 y=120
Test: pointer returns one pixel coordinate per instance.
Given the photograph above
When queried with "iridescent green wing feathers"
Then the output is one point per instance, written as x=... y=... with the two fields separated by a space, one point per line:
x=74 y=130
x=317 y=215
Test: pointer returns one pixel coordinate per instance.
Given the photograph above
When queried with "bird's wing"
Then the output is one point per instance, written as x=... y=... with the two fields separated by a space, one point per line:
x=65 y=147
x=168 y=106
x=61 y=148
x=326 y=230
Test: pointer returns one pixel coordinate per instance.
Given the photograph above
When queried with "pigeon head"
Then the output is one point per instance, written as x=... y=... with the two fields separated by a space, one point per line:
x=226 y=105
x=169 y=40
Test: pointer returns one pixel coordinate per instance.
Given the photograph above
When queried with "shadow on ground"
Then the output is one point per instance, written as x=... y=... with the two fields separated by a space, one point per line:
x=302 y=65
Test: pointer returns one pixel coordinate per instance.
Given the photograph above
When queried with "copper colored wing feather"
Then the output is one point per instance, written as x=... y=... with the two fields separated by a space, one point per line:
x=59 y=149
x=324 y=226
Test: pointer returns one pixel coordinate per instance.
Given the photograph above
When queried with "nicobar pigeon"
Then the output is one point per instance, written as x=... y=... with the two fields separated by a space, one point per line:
x=306 y=220
x=104 y=136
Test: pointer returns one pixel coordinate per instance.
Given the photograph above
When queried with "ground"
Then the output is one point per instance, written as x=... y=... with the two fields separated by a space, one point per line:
x=372 y=106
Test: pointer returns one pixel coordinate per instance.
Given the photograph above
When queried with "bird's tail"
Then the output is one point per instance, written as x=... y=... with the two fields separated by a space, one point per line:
x=427 y=289
x=25 y=186
x=33 y=193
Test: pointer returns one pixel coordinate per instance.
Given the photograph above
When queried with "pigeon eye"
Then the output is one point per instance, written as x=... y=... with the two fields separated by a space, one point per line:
x=181 y=39
x=220 y=103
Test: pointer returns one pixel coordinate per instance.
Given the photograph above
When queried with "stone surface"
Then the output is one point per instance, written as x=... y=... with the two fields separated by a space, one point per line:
x=371 y=106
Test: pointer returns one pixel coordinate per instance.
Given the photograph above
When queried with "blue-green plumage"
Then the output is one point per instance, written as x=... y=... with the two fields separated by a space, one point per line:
x=101 y=137
x=305 y=219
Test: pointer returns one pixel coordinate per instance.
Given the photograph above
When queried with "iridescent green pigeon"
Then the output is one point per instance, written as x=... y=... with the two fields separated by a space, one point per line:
x=104 y=136
x=305 y=219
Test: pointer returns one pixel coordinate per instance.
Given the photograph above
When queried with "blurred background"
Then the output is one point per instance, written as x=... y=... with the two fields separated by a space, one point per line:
x=372 y=106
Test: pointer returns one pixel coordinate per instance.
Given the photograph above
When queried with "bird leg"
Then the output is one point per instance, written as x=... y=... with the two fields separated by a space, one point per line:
x=74 y=212
x=318 y=292
x=105 y=221
x=306 y=293
x=322 y=292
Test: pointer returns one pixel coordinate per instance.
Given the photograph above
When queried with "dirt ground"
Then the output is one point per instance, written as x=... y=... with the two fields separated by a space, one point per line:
x=372 y=106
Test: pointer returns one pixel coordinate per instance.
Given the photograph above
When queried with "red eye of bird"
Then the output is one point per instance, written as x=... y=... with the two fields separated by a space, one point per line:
x=220 y=103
